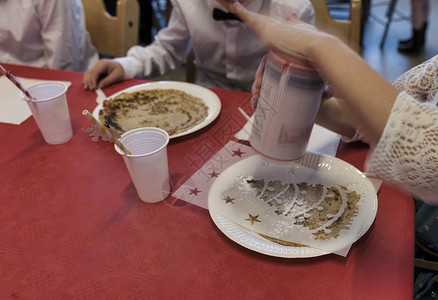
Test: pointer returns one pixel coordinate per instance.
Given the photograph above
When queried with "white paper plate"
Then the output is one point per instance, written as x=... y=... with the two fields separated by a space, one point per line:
x=335 y=170
x=210 y=99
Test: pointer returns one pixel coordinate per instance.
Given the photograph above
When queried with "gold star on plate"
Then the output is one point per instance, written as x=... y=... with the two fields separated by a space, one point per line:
x=426 y=227
x=253 y=219
x=228 y=199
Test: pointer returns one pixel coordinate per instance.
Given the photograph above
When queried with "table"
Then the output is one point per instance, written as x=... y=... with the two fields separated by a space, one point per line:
x=72 y=226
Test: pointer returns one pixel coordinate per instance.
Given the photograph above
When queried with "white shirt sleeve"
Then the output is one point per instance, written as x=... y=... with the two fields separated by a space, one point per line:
x=407 y=153
x=171 y=46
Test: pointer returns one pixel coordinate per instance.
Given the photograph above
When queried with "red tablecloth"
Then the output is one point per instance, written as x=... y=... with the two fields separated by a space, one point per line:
x=72 y=226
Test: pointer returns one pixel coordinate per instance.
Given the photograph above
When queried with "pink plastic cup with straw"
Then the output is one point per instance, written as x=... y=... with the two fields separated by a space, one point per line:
x=50 y=111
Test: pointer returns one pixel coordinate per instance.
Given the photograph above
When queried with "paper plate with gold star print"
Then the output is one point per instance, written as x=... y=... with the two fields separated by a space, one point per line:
x=313 y=206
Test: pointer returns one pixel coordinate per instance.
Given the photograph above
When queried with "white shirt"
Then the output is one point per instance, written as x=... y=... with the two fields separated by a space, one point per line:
x=407 y=153
x=45 y=33
x=227 y=53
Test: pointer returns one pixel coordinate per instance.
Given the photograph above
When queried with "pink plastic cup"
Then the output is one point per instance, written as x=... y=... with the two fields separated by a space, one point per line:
x=50 y=111
x=147 y=164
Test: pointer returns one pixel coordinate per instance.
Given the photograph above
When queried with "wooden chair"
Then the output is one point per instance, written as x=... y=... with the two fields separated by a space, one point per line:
x=347 y=30
x=112 y=36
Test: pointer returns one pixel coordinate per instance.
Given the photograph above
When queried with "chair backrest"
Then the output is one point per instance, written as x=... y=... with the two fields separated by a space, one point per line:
x=347 y=30
x=112 y=35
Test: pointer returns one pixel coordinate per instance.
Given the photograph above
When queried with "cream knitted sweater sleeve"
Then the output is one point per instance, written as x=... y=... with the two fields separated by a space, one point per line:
x=407 y=153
